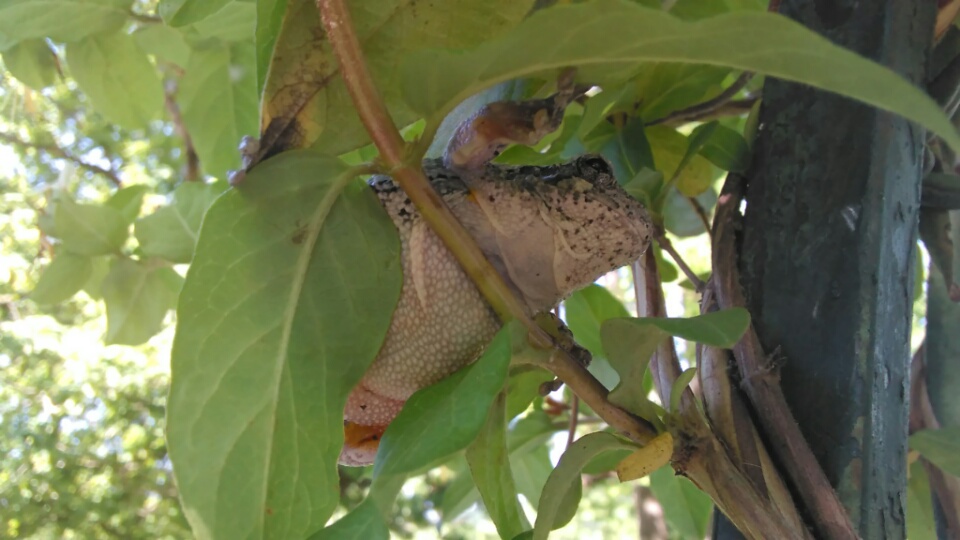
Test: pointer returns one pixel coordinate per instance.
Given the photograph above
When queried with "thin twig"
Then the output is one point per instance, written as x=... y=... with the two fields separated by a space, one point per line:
x=60 y=153
x=667 y=245
x=192 y=173
x=762 y=384
x=574 y=418
x=700 y=110
x=702 y=214
x=376 y=119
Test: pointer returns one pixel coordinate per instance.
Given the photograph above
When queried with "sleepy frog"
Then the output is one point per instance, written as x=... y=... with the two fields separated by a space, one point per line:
x=548 y=231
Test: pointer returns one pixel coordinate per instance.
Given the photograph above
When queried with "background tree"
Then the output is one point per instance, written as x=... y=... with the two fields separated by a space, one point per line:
x=118 y=117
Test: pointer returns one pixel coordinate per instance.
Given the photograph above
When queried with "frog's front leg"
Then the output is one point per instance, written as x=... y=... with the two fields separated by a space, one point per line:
x=482 y=136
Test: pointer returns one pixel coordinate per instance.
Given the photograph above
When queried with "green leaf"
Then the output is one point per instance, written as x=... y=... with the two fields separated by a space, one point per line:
x=286 y=304
x=679 y=216
x=920 y=523
x=362 y=523
x=269 y=19
x=32 y=62
x=235 y=22
x=490 y=467
x=218 y=98
x=445 y=417
x=171 y=232
x=183 y=12
x=662 y=88
x=62 y=278
x=566 y=478
x=727 y=149
x=586 y=310
x=940 y=446
x=685 y=507
x=94 y=284
x=117 y=76
x=304 y=100
x=138 y=296
x=88 y=229
x=717 y=329
x=164 y=42
x=676 y=155
x=60 y=20
x=523 y=387
x=679 y=386
x=618 y=33
x=128 y=201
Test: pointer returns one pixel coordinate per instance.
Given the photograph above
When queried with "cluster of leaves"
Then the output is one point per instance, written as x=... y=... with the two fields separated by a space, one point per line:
x=299 y=269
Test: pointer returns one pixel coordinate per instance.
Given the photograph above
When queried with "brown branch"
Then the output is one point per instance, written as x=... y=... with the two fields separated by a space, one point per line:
x=702 y=214
x=192 y=173
x=60 y=153
x=701 y=110
x=762 y=385
x=373 y=113
x=667 y=245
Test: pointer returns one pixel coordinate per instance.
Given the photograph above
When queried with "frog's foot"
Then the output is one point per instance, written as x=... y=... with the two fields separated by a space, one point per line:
x=482 y=136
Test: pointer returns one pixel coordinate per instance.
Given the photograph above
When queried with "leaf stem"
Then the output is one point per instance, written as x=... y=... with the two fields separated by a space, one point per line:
x=60 y=153
x=404 y=166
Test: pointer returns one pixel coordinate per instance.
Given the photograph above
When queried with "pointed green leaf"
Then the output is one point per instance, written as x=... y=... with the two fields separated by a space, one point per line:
x=218 y=97
x=586 y=310
x=118 y=78
x=94 y=284
x=235 y=22
x=727 y=149
x=171 y=232
x=940 y=446
x=490 y=467
x=61 y=20
x=362 y=523
x=89 y=229
x=128 y=201
x=445 y=417
x=138 y=297
x=286 y=304
x=679 y=385
x=62 y=278
x=32 y=62
x=618 y=32
x=685 y=507
x=676 y=155
x=566 y=478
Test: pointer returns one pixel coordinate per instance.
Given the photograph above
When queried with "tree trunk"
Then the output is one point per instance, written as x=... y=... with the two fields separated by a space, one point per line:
x=828 y=256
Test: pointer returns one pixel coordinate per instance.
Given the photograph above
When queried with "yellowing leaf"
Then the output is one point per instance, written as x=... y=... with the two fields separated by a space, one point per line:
x=644 y=461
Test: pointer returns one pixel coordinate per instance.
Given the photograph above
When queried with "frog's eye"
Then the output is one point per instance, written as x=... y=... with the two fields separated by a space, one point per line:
x=595 y=169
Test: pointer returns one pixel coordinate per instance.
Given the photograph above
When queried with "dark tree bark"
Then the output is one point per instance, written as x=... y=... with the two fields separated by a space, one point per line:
x=828 y=254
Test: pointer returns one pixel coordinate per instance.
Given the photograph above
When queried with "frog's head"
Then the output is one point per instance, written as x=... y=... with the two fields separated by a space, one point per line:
x=552 y=230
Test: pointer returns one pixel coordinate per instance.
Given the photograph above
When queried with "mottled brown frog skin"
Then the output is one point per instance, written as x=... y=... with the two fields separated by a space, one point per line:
x=548 y=230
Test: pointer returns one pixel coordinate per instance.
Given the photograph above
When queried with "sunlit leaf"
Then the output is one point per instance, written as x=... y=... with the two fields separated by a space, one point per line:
x=89 y=229
x=32 y=62
x=218 y=98
x=586 y=310
x=362 y=523
x=286 y=303
x=61 y=20
x=490 y=467
x=920 y=523
x=128 y=201
x=679 y=385
x=617 y=32
x=304 y=100
x=164 y=42
x=62 y=278
x=727 y=149
x=685 y=507
x=940 y=446
x=181 y=12
x=554 y=501
x=171 y=232
x=677 y=155
x=138 y=296
x=445 y=417
x=117 y=76
x=235 y=22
